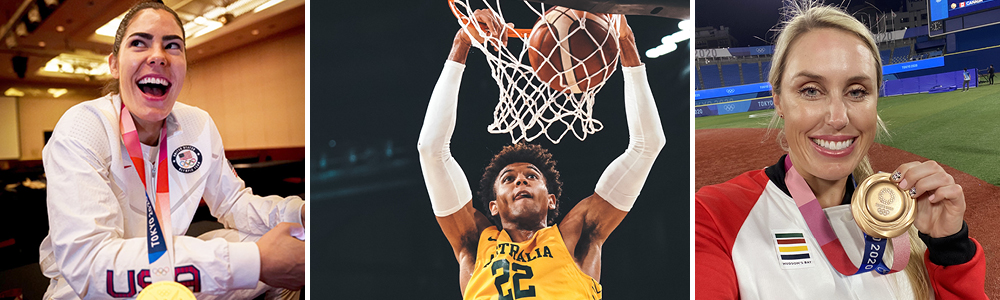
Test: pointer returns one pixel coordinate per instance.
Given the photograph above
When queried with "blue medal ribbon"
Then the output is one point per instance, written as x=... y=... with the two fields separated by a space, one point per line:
x=872 y=258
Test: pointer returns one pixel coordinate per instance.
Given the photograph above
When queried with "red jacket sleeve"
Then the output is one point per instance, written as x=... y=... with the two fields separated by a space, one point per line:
x=962 y=281
x=720 y=211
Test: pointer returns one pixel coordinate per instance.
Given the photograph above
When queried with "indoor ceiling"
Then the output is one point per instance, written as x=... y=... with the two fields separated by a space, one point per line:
x=69 y=31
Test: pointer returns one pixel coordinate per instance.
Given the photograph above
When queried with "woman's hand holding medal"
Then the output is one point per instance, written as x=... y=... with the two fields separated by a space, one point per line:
x=940 y=202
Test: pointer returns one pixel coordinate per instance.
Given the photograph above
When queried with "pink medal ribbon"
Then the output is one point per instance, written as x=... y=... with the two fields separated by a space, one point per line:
x=158 y=229
x=820 y=228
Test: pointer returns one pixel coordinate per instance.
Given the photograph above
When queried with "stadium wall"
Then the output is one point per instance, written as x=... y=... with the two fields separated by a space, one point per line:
x=977 y=41
x=947 y=81
x=733 y=107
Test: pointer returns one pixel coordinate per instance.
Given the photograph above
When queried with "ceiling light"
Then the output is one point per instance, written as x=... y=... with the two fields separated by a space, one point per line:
x=110 y=29
x=241 y=6
x=11 y=41
x=201 y=20
x=21 y=30
x=214 y=13
x=57 y=92
x=211 y=25
x=189 y=28
x=12 y=92
x=225 y=18
x=34 y=16
x=60 y=28
x=77 y=64
x=205 y=23
x=266 y=5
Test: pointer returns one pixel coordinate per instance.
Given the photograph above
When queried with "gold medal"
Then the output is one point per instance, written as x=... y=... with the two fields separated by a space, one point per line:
x=880 y=208
x=165 y=290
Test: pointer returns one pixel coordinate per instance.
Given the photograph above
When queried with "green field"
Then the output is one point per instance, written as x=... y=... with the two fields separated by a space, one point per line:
x=959 y=129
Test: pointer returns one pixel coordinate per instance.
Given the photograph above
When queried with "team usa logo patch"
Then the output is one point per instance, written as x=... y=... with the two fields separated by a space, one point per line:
x=186 y=159
x=793 y=252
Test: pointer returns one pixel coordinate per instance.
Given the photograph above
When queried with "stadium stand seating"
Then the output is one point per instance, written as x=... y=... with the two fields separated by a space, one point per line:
x=765 y=69
x=697 y=79
x=710 y=76
x=900 y=55
x=731 y=75
x=886 y=55
x=751 y=73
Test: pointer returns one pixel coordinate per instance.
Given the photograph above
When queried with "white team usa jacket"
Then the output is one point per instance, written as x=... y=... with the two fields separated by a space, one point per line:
x=96 y=247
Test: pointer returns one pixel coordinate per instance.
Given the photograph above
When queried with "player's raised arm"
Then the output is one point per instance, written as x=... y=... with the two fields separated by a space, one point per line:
x=621 y=182
x=447 y=185
x=623 y=179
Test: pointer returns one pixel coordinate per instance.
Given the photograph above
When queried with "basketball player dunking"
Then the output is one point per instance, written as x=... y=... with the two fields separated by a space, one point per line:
x=522 y=253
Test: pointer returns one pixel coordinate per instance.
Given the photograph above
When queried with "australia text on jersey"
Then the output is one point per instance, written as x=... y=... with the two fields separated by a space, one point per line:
x=516 y=253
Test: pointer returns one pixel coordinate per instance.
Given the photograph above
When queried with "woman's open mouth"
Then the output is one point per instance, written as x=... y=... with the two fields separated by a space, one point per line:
x=153 y=86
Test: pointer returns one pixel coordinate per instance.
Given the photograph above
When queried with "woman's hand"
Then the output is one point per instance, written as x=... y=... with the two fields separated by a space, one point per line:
x=940 y=201
x=282 y=256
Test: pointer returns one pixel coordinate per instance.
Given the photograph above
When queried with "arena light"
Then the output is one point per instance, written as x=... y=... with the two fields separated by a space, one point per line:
x=669 y=42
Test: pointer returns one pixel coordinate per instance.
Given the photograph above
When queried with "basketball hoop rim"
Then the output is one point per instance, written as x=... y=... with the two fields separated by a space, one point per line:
x=522 y=33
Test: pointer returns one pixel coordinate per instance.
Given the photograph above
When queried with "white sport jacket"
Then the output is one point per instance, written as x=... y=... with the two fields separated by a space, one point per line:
x=96 y=247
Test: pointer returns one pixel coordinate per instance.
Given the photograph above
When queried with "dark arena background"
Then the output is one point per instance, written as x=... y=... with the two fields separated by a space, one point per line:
x=924 y=50
x=374 y=235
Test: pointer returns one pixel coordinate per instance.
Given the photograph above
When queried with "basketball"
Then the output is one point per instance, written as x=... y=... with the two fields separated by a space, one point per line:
x=572 y=51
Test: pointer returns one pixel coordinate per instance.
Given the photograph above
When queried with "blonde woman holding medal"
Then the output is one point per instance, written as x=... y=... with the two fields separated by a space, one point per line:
x=127 y=172
x=788 y=232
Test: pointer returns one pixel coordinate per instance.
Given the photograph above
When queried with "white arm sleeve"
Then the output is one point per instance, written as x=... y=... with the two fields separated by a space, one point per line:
x=446 y=183
x=623 y=179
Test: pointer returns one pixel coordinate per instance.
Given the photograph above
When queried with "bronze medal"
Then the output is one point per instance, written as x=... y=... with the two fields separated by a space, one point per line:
x=880 y=208
x=165 y=290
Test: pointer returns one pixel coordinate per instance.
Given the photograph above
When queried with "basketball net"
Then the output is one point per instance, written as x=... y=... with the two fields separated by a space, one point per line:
x=528 y=107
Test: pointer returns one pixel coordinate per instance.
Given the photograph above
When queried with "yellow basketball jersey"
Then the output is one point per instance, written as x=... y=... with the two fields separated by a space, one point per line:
x=539 y=268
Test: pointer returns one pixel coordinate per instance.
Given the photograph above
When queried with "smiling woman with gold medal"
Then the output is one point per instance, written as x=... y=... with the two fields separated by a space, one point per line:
x=128 y=170
x=818 y=224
